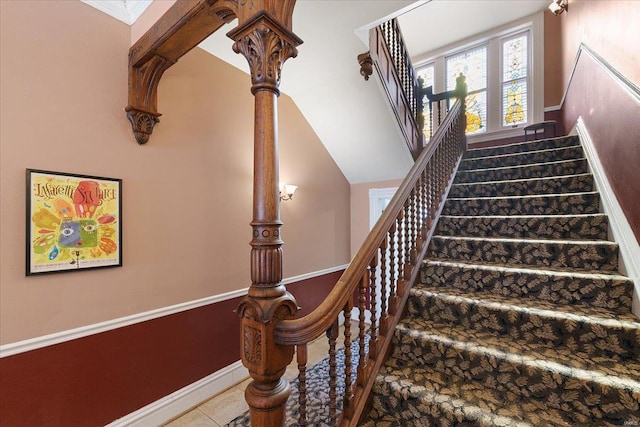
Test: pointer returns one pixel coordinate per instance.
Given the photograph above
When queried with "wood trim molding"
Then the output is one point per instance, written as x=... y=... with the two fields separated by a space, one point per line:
x=85 y=331
x=620 y=228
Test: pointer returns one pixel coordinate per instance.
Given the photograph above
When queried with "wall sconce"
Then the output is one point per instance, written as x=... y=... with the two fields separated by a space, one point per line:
x=558 y=6
x=287 y=191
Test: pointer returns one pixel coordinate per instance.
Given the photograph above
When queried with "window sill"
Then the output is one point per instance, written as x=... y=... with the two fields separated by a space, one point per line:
x=499 y=134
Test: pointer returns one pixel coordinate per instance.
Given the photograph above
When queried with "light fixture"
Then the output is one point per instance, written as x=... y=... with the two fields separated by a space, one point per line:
x=287 y=191
x=558 y=6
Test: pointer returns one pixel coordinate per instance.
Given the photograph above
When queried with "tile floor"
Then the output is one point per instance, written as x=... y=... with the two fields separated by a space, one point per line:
x=224 y=407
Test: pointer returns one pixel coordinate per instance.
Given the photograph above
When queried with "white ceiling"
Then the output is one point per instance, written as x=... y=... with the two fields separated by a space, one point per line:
x=351 y=116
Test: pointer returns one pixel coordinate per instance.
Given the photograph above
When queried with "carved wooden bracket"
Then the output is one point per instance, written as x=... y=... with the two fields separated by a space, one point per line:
x=180 y=29
x=366 y=65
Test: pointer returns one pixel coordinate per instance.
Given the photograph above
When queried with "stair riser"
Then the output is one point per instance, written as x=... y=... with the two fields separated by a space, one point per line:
x=613 y=340
x=529 y=380
x=576 y=204
x=610 y=294
x=573 y=184
x=569 y=153
x=542 y=170
x=593 y=227
x=592 y=256
x=523 y=147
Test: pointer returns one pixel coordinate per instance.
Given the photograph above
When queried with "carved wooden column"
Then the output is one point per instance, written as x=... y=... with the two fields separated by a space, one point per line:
x=266 y=42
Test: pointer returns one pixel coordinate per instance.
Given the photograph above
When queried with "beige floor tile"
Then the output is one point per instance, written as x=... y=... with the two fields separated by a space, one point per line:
x=193 y=418
x=226 y=406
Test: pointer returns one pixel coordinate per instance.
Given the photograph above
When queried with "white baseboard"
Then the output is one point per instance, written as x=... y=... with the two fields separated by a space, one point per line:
x=163 y=410
x=620 y=228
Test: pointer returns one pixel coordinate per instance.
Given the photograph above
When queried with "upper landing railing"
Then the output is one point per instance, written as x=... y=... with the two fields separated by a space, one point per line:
x=389 y=56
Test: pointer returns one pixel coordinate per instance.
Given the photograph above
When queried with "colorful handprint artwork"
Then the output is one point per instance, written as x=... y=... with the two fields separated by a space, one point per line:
x=73 y=222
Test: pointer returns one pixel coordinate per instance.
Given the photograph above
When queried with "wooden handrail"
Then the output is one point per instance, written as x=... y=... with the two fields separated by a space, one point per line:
x=380 y=274
x=311 y=326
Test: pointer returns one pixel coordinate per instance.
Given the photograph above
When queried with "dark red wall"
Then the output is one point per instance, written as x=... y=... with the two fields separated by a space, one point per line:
x=95 y=380
x=612 y=118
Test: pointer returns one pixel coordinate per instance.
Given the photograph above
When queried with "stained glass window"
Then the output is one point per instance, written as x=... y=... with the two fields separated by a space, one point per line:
x=515 y=69
x=428 y=76
x=473 y=64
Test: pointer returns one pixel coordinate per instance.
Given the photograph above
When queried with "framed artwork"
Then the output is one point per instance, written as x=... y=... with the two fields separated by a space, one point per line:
x=73 y=222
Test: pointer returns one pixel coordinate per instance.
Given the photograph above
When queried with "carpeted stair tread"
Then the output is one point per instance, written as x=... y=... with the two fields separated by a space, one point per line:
x=587 y=255
x=547 y=204
x=537 y=170
x=580 y=328
x=527 y=369
x=541 y=156
x=519 y=315
x=448 y=400
x=520 y=147
x=442 y=334
x=523 y=187
x=601 y=291
x=583 y=227
x=384 y=421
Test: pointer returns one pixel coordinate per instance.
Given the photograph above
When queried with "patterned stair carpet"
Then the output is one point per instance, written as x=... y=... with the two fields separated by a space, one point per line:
x=521 y=317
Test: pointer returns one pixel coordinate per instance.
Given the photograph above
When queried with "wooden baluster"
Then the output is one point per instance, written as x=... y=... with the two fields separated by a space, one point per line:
x=332 y=335
x=362 y=326
x=301 y=356
x=403 y=252
x=445 y=166
x=428 y=202
x=431 y=112
x=432 y=188
x=419 y=227
x=440 y=173
x=373 y=334
x=384 y=280
x=409 y=242
x=348 y=368
x=393 y=258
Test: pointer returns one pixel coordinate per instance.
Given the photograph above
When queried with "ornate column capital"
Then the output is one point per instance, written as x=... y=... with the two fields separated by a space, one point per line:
x=266 y=45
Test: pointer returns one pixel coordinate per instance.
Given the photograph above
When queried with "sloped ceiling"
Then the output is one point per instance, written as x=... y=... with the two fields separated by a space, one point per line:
x=351 y=116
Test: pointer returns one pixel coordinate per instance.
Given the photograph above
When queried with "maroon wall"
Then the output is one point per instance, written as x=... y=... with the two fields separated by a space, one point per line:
x=611 y=115
x=95 y=380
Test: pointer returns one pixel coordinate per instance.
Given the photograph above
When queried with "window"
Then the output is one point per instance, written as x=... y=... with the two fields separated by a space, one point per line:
x=473 y=64
x=504 y=75
x=515 y=69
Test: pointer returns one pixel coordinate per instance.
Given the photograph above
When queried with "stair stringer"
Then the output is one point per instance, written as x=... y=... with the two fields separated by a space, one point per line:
x=629 y=259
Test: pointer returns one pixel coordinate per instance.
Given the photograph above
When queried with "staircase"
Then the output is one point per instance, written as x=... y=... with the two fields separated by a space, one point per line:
x=520 y=317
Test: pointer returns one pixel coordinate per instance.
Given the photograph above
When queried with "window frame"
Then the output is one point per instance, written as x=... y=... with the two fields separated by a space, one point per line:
x=503 y=41
x=485 y=89
x=495 y=129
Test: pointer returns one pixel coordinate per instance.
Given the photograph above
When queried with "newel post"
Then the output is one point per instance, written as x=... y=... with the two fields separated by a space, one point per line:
x=266 y=40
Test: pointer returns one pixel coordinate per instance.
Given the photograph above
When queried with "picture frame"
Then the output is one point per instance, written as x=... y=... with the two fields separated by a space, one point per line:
x=73 y=222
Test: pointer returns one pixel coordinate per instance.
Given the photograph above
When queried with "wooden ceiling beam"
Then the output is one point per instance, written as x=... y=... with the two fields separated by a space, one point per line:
x=180 y=29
